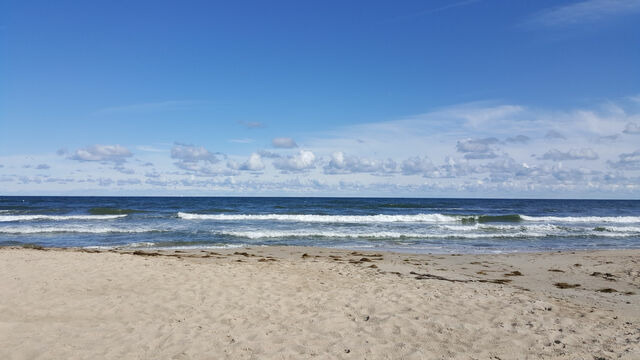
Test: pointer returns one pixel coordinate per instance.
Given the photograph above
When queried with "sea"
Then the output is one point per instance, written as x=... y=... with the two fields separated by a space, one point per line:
x=393 y=224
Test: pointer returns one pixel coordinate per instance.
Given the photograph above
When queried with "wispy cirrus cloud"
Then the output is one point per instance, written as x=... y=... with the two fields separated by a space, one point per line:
x=432 y=10
x=582 y=12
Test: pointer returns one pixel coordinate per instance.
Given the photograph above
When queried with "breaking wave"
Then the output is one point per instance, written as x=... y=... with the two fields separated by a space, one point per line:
x=72 y=229
x=8 y=218
x=426 y=218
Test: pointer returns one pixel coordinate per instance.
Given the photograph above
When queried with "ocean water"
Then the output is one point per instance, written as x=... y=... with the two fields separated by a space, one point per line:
x=408 y=225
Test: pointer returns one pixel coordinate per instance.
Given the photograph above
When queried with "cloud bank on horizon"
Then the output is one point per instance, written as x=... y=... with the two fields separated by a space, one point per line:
x=489 y=149
x=545 y=115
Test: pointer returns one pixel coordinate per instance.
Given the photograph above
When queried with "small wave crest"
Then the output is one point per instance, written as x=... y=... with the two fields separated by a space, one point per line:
x=9 y=218
x=69 y=229
x=584 y=219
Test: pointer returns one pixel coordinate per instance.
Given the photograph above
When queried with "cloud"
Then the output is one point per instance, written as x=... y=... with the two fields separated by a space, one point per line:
x=522 y=139
x=477 y=148
x=627 y=161
x=344 y=164
x=192 y=154
x=254 y=163
x=121 y=169
x=106 y=153
x=417 y=165
x=432 y=10
x=632 y=128
x=104 y=181
x=43 y=167
x=552 y=135
x=132 y=181
x=284 y=143
x=269 y=154
x=195 y=159
x=302 y=161
x=252 y=124
x=507 y=169
x=573 y=154
x=241 y=141
x=583 y=12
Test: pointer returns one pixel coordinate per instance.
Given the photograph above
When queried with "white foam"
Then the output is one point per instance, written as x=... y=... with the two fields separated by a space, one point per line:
x=500 y=227
x=373 y=235
x=8 y=218
x=585 y=219
x=69 y=229
x=623 y=229
x=430 y=218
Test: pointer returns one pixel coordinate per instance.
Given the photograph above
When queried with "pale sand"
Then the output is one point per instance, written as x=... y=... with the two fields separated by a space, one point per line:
x=70 y=304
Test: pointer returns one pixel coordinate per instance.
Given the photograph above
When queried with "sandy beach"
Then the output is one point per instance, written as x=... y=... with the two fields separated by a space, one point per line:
x=296 y=302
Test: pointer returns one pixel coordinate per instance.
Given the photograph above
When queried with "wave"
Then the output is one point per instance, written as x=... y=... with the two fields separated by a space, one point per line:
x=371 y=235
x=584 y=219
x=68 y=229
x=407 y=235
x=431 y=218
x=426 y=218
x=8 y=218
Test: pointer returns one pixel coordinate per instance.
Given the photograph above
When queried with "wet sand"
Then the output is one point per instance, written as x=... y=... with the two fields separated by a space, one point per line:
x=296 y=303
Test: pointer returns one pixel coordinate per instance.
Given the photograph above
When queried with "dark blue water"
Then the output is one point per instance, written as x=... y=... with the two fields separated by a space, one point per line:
x=415 y=225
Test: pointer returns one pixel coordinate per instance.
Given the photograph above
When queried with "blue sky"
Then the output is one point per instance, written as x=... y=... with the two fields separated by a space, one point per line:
x=376 y=98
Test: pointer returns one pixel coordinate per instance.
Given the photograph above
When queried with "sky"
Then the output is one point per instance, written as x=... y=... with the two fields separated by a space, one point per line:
x=475 y=98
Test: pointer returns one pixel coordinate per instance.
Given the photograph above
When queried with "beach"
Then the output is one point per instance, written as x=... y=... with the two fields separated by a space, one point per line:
x=288 y=302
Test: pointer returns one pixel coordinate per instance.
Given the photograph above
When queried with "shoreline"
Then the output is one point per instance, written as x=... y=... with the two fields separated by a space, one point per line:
x=302 y=302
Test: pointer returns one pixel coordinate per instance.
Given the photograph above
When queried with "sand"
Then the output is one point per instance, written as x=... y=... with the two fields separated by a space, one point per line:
x=299 y=303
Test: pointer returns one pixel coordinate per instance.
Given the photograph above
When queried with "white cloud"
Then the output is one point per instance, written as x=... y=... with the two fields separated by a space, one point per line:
x=477 y=148
x=106 y=153
x=417 y=165
x=552 y=134
x=573 y=154
x=125 y=182
x=583 y=12
x=284 y=143
x=521 y=139
x=345 y=164
x=632 y=128
x=302 y=161
x=254 y=163
x=242 y=141
x=192 y=154
x=628 y=161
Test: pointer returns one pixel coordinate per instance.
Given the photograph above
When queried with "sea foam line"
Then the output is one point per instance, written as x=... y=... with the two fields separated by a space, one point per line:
x=585 y=219
x=8 y=218
x=82 y=230
x=372 y=235
x=432 y=218
x=426 y=218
